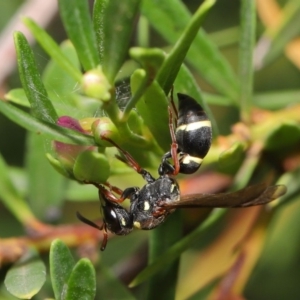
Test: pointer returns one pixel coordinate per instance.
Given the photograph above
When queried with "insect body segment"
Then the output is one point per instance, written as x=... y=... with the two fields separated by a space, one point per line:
x=145 y=209
x=193 y=136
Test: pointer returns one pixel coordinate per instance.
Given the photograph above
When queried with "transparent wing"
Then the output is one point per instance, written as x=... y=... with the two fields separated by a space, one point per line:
x=258 y=194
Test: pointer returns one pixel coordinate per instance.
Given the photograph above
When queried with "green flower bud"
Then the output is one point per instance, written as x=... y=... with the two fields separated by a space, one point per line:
x=87 y=123
x=103 y=127
x=70 y=158
x=91 y=166
x=96 y=85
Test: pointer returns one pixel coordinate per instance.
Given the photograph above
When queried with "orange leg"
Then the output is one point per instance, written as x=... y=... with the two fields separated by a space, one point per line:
x=131 y=161
x=174 y=146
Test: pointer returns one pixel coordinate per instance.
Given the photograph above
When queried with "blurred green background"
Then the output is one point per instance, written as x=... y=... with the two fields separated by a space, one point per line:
x=277 y=273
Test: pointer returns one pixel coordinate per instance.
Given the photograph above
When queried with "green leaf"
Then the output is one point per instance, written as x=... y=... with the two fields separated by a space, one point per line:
x=61 y=265
x=153 y=107
x=17 y=96
x=271 y=100
x=58 y=166
x=35 y=91
x=231 y=159
x=82 y=281
x=26 y=277
x=77 y=22
x=64 y=91
x=177 y=249
x=216 y=99
x=280 y=256
x=11 y=197
x=143 y=32
x=275 y=39
x=173 y=18
x=247 y=42
x=206 y=291
x=291 y=180
x=71 y=106
x=80 y=193
x=114 y=21
x=151 y=60
x=161 y=240
x=110 y=287
x=46 y=192
x=60 y=85
x=285 y=135
x=92 y=167
x=225 y=36
x=52 y=131
x=175 y=58
x=276 y=99
x=54 y=51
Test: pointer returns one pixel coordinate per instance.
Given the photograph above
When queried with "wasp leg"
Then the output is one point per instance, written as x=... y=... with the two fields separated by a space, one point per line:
x=174 y=146
x=132 y=162
x=92 y=224
x=129 y=192
x=159 y=211
x=166 y=167
x=173 y=105
x=108 y=195
x=105 y=238
x=113 y=188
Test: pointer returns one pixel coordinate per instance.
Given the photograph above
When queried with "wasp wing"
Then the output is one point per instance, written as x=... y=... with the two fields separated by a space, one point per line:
x=258 y=194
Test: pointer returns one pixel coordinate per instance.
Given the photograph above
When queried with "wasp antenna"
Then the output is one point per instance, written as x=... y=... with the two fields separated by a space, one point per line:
x=87 y=221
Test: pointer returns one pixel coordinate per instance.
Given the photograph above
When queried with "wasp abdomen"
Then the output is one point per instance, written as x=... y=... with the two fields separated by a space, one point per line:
x=193 y=134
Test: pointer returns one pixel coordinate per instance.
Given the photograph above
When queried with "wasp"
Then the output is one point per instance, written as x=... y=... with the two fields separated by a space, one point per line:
x=149 y=206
